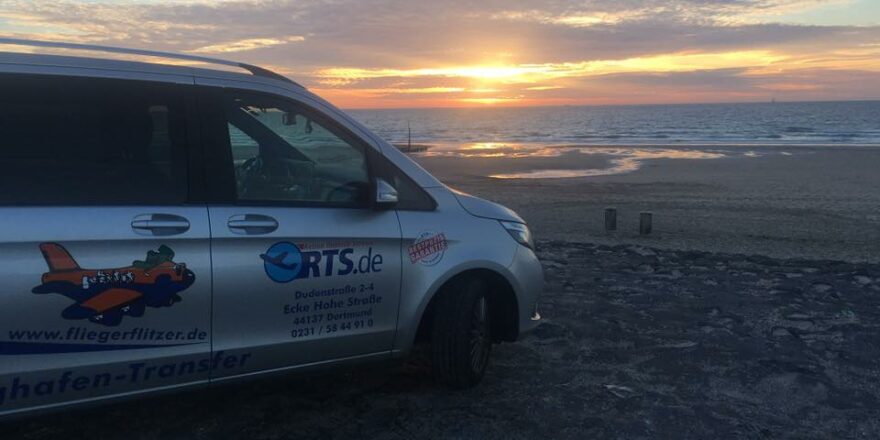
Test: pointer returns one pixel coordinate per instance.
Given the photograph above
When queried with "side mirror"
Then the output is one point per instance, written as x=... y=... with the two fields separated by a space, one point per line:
x=386 y=195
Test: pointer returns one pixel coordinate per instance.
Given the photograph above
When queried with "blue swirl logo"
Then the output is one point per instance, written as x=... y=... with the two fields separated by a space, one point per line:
x=283 y=262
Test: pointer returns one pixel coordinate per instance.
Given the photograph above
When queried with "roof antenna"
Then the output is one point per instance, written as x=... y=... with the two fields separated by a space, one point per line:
x=408 y=137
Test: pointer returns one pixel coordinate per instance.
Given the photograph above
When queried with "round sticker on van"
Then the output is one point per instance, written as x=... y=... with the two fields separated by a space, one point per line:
x=282 y=262
x=428 y=248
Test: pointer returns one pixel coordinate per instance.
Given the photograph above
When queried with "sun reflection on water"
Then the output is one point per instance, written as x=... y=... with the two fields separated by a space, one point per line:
x=621 y=159
x=496 y=149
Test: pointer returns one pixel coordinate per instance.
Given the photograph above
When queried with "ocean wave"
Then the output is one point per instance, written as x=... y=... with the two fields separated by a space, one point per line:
x=751 y=124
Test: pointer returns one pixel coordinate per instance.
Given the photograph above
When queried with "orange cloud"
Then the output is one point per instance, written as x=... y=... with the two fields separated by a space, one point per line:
x=530 y=73
x=247 y=44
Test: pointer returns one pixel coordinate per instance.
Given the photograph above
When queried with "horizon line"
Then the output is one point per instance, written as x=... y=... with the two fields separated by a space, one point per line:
x=502 y=106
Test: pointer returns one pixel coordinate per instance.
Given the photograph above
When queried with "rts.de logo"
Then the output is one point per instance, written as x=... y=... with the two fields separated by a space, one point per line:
x=285 y=262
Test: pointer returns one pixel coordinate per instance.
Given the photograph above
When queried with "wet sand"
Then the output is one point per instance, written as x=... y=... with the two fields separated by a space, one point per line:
x=806 y=202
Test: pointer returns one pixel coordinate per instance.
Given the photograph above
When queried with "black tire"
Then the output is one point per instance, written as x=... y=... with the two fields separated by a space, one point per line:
x=461 y=341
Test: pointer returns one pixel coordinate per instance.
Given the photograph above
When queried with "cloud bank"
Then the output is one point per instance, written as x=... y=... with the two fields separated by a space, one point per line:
x=388 y=53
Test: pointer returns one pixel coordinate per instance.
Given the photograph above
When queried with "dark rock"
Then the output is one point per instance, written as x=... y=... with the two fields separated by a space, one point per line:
x=862 y=280
x=645 y=268
x=549 y=330
x=642 y=251
x=820 y=287
x=621 y=391
x=780 y=332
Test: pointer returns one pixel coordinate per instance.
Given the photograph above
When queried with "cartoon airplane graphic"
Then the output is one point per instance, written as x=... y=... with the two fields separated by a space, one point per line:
x=278 y=260
x=104 y=296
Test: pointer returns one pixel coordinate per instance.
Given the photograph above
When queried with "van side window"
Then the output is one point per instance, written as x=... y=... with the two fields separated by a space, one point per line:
x=91 y=141
x=281 y=153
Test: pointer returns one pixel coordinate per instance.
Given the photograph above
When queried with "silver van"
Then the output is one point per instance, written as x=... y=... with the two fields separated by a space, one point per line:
x=164 y=226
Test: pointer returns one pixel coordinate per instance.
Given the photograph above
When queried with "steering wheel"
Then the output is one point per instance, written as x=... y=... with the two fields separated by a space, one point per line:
x=246 y=173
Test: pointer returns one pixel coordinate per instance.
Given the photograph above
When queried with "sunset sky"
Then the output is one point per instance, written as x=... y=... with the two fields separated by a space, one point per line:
x=368 y=54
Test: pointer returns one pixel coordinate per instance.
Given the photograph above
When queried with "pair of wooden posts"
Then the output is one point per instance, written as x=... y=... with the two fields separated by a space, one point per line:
x=645 y=219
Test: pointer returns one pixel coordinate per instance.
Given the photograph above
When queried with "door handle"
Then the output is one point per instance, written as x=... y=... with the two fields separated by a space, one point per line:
x=251 y=224
x=159 y=224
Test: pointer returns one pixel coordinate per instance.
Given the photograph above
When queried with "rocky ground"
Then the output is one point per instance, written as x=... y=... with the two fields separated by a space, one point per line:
x=636 y=343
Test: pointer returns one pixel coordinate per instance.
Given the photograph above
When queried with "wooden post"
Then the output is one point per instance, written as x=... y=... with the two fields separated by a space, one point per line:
x=610 y=219
x=645 y=223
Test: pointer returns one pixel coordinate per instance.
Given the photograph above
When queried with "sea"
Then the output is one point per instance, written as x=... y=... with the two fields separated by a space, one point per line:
x=765 y=124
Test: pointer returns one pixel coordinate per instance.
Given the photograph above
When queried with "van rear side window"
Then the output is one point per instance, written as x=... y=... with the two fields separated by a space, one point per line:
x=73 y=141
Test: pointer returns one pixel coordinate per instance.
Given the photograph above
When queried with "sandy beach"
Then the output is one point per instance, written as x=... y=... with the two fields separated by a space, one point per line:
x=805 y=202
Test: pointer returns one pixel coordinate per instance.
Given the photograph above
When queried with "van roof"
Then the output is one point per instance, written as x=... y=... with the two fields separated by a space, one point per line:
x=34 y=52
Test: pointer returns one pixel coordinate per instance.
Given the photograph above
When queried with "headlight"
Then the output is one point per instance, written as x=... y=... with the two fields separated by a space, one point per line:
x=520 y=233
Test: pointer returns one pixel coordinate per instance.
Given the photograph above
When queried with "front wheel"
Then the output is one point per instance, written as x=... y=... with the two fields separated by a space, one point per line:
x=461 y=339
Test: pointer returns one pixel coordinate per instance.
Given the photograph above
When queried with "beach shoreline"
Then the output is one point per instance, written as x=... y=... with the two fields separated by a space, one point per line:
x=811 y=202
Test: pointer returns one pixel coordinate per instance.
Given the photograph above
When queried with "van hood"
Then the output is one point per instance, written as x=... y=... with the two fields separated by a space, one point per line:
x=483 y=208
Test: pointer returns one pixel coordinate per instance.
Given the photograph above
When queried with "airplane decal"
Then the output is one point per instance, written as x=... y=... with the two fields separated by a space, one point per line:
x=104 y=296
x=282 y=262
x=278 y=260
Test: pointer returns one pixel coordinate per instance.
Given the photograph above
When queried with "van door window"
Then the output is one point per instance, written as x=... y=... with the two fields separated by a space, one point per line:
x=91 y=141
x=281 y=154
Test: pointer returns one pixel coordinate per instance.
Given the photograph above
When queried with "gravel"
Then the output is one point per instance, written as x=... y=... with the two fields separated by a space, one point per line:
x=636 y=343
